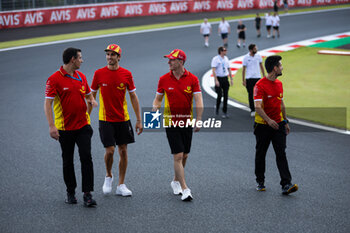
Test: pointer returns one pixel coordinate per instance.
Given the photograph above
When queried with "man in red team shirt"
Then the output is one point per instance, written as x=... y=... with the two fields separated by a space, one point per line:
x=179 y=87
x=67 y=88
x=114 y=124
x=271 y=125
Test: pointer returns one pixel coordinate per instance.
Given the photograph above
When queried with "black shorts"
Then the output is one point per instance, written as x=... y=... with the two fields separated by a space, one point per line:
x=116 y=133
x=179 y=139
x=268 y=27
x=276 y=27
x=224 y=35
x=241 y=35
x=257 y=27
x=206 y=35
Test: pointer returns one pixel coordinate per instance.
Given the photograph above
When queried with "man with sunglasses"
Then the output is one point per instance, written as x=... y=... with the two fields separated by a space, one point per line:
x=114 y=123
x=221 y=70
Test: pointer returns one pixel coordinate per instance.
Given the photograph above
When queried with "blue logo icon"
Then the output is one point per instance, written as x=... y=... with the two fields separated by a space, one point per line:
x=151 y=120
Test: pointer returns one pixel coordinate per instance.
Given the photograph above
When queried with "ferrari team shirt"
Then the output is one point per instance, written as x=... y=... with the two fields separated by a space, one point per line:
x=271 y=95
x=113 y=85
x=68 y=93
x=178 y=103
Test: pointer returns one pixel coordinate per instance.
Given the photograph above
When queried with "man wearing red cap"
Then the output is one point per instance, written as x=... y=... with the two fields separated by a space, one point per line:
x=114 y=124
x=179 y=87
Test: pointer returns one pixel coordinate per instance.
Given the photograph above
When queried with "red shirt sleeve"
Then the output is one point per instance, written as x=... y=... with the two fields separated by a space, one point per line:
x=160 y=89
x=50 y=91
x=258 y=92
x=94 y=84
x=196 y=87
x=131 y=84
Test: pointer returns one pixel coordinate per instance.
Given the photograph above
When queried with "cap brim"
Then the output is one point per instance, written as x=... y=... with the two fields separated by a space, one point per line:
x=106 y=50
x=170 y=57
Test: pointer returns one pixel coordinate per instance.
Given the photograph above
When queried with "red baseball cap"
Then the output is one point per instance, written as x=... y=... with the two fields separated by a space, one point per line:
x=177 y=54
x=115 y=48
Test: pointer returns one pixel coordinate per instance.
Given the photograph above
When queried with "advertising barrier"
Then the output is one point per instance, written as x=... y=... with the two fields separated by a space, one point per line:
x=79 y=13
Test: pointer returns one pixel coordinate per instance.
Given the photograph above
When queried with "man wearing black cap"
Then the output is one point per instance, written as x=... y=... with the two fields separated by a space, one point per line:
x=180 y=87
x=114 y=124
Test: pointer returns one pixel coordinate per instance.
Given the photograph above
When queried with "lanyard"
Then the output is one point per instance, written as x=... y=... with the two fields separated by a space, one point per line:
x=79 y=79
x=223 y=65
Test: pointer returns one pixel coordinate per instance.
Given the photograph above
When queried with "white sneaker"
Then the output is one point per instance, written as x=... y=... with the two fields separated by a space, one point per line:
x=177 y=190
x=107 y=185
x=186 y=195
x=122 y=190
x=252 y=114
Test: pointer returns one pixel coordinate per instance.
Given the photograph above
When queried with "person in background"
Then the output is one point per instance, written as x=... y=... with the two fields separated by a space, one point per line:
x=275 y=25
x=258 y=25
x=285 y=6
x=268 y=23
x=241 y=34
x=224 y=30
x=275 y=6
x=252 y=65
x=221 y=70
x=205 y=30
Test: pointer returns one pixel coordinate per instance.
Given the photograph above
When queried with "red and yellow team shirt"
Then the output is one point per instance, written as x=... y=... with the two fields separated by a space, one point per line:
x=178 y=103
x=271 y=95
x=113 y=85
x=68 y=93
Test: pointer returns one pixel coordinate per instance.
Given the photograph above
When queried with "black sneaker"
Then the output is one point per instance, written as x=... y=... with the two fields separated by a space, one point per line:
x=289 y=188
x=260 y=187
x=71 y=199
x=88 y=201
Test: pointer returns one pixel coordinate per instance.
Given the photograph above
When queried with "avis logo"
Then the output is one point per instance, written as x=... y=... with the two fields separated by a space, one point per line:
x=151 y=120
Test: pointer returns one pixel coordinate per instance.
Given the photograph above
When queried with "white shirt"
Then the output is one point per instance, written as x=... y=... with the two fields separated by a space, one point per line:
x=205 y=28
x=252 y=65
x=221 y=65
x=268 y=20
x=275 y=21
x=224 y=27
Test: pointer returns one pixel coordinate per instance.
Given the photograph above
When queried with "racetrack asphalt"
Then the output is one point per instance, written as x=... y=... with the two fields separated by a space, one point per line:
x=220 y=169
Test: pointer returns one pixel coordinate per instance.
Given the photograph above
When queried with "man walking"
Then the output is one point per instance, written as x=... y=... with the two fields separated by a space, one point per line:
x=114 y=124
x=67 y=89
x=221 y=70
x=271 y=125
x=223 y=30
x=241 y=34
x=258 y=25
x=206 y=31
x=268 y=23
x=179 y=87
x=275 y=25
x=252 y=65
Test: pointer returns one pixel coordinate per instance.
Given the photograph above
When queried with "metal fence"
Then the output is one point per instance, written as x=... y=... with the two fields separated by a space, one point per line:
x=8 y=5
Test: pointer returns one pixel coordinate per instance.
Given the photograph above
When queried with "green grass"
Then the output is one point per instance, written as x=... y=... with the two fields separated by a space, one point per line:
x=316 y=87
x=36 y=40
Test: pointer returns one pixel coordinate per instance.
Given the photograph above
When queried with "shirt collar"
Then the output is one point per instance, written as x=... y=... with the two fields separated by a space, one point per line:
x=64 y=72
x=185 y=74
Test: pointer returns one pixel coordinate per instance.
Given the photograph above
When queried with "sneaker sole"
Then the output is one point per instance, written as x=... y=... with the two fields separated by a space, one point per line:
x=261 y=190
x=189 y=198
x=291 y=190
x=127 y=195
